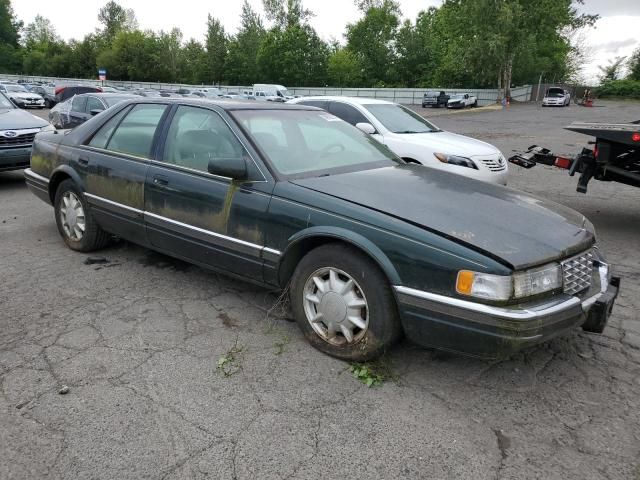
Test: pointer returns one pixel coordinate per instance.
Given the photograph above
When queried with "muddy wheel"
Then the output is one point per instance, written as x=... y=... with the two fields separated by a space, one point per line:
x=343 y=303
x=74 y=220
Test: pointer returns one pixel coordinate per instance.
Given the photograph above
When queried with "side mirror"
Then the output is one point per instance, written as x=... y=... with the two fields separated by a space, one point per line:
x=366 y=128
x=95 y=111
x=230 y=167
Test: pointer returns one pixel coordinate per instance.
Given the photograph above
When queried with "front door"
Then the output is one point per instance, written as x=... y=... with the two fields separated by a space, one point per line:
x=208 y=219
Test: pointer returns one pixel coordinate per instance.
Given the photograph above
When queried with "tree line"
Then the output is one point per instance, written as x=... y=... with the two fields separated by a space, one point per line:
x=463 y=43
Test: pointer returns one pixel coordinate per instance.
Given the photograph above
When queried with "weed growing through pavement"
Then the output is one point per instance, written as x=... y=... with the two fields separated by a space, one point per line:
x=230 y=363
x=373 y=373
x=281 y=344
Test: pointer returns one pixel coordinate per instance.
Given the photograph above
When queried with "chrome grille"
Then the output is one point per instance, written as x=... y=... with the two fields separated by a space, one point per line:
x=494 y=164
x=24 y=139
x=577 y=272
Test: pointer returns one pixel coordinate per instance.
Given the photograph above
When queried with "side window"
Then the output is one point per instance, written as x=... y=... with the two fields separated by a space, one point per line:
x=101 y=138
x=93 y=104
x=135 y=133
x=78 y=104
x=347 y=113
x=196 y=137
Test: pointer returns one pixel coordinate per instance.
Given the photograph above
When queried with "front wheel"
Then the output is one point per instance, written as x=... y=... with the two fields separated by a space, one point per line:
x=343 y=303
x=75 y=223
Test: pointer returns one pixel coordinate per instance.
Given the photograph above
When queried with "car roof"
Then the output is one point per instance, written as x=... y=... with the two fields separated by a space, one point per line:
x=225 y=104
x=337 y=98
x=108 y=95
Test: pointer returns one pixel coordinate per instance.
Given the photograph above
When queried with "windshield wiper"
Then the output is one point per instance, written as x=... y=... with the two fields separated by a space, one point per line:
x=413 y=131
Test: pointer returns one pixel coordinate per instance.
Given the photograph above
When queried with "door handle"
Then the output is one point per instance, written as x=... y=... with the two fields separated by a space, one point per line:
x=160 y=180
x=83 y=161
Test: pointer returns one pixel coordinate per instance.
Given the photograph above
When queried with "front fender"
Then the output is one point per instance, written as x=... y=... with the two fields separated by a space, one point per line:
x=347 y=236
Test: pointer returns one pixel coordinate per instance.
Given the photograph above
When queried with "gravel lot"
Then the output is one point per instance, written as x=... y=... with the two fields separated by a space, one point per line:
x=138 y=340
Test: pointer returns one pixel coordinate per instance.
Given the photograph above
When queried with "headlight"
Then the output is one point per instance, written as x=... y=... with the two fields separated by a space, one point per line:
x=505 y=287
x=48 y=128
x=456 y=160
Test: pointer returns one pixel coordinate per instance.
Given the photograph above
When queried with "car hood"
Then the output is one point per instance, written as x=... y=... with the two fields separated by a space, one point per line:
x=449 y=143
x=516 y=228
x=14 y=119
x=22 y=94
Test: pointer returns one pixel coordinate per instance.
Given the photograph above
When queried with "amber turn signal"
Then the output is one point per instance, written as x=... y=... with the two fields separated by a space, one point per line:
x=464 y=284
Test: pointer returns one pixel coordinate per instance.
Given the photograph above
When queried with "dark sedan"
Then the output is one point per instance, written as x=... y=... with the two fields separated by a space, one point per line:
x=292 y=197
x=82 y=107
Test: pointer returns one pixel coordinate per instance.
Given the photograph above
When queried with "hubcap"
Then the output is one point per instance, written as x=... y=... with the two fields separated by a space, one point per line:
x=72 y=216
x=335 y=306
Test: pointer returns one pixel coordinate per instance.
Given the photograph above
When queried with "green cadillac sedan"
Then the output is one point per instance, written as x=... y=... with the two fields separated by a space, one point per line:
x=369 y=248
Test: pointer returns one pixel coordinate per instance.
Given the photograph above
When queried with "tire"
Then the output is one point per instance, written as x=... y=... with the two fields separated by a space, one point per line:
x=372 y=303
x=475 y=104
x=47 y=103
x=92 y=237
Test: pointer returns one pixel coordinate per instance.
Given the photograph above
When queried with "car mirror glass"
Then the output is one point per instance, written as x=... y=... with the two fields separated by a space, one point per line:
x=366 y=128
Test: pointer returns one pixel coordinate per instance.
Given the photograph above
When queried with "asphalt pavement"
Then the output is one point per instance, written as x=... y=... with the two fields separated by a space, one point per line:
x=176 y=372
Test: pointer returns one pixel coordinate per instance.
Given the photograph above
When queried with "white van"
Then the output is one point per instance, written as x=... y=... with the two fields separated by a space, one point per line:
x=270 y=92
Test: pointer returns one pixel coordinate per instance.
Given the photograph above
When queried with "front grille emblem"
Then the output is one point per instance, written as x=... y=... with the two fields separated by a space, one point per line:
x=9 y=134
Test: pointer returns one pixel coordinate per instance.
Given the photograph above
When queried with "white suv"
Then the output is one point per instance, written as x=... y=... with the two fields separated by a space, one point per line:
x=415 y=139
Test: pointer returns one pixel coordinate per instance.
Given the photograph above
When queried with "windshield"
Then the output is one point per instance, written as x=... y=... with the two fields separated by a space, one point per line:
x=399 y=119
x=555 y=92
x=457 y=97
x=5 y=102
x=16 y=88
x=312 y=143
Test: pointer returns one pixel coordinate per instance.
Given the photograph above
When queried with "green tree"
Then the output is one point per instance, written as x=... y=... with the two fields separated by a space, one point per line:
x=613 y=70
x=294 y=56
x=134 y=55
x=242 y=61
x=634 y=65
x=217 y=49
x=115 y=19
x=39 y=33
x=10 y=27
x=171 y=45
x=194 y=63
x=286 y=13
x=372 y=38
x=344 y=68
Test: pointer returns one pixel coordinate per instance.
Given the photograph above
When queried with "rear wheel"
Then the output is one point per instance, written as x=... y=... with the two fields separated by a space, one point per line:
x=75 y=223
x=343 y=303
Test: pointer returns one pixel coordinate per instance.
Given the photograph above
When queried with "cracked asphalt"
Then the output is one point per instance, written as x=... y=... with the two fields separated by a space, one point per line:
x=138 y=338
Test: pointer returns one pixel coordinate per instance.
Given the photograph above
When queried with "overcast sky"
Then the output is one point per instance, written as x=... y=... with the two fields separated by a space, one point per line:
x=616 y=34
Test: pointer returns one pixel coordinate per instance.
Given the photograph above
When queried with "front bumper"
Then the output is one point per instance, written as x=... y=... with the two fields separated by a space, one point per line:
x=492 y=332
x=28 y=103
x=14 y=158
x=38 y=185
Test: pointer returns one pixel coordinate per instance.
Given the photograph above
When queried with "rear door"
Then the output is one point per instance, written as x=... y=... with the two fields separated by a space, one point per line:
x=114 y=163
x=77 y=114
x=205 y=218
